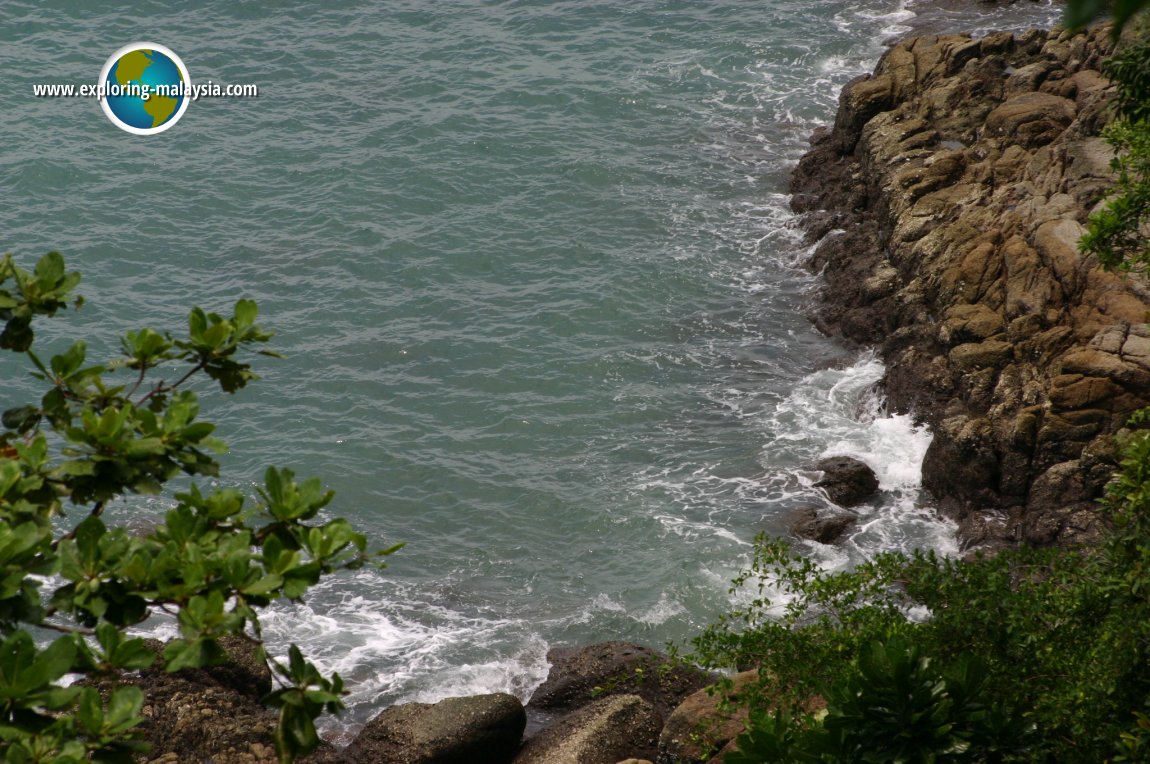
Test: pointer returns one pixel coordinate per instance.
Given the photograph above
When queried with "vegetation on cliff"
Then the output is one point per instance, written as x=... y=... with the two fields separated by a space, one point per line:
x=211 y=564
x=1119 y=233
x=1032 y=655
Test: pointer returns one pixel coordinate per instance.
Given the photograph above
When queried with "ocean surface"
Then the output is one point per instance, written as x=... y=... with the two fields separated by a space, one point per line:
x=534 y=272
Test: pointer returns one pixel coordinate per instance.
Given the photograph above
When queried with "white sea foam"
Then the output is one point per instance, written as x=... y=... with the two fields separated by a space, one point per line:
x=398 y=647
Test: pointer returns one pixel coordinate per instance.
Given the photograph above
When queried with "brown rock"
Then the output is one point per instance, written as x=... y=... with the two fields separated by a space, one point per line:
x=970 y=323
x=579 y=675
x=699 y=727
x=1031 y=119
x=603 y=732
x=1074 y=391
x=960 y=201
x=980 y=355
x=846 y=480
x=483 y=729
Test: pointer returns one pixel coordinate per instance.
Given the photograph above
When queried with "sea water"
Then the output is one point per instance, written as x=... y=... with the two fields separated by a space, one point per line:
x=533 y=268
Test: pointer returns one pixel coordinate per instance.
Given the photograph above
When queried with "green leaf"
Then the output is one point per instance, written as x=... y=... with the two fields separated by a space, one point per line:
x=90 y=711
x=67 y=363
x=50 y=269
x=245 y=313
x=51 y=664
x=264 y=586
x=124 y=708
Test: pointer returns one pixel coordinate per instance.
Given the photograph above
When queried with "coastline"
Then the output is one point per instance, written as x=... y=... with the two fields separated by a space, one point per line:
x=889 y=185
x=948 y=199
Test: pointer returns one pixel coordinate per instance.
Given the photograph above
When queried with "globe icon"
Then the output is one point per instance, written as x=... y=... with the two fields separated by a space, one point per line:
x=145 y=88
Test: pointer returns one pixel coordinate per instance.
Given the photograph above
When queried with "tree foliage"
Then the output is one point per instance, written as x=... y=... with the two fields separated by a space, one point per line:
x=129 y=425
x=1079 y=13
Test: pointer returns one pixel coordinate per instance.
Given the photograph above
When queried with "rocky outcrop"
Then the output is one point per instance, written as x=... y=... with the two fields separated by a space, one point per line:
x=579 y=675
x=604 y=732
x=949 y=199
x=846 y=480
x=481 y=729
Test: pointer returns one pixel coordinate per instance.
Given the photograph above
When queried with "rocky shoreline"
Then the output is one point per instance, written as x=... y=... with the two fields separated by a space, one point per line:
x=601 y=704
x=948 y=200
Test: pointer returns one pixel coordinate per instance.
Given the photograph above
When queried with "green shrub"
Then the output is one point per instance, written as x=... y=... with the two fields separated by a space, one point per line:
x=130 y=425
x=894 y=705
x=1054 y=642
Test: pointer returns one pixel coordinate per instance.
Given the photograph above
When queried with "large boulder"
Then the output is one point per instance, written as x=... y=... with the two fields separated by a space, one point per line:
x=579 y=675
x=604 y=732
x=482 y=729
x=846 y=480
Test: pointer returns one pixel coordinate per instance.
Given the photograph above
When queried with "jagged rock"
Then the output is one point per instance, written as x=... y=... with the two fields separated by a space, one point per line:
x=961 y=194
x=481 y=729
x=846 y=480
x=970 y=323
x=578 y=675
x=603 y=732
x=979 y=355
x=826 y=529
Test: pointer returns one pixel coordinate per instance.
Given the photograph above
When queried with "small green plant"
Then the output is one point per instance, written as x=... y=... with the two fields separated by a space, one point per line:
x=1119 y=233
x=101 y=431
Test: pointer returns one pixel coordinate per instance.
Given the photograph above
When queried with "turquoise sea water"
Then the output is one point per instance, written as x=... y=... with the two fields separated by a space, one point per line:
x=534 y=272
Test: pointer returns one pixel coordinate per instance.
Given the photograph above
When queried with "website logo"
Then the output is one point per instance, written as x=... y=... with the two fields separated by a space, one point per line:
x=145 y=87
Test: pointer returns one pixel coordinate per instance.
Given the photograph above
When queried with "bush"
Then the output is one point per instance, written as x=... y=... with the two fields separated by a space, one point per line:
x=130 y=425
x=1053 y=643
x=895 y=705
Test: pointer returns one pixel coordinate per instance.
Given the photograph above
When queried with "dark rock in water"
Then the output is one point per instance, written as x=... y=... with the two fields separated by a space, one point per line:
x=604 y=732
x=806 y=523
x=482 y=729
x=847 y=480
x=578 y=675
